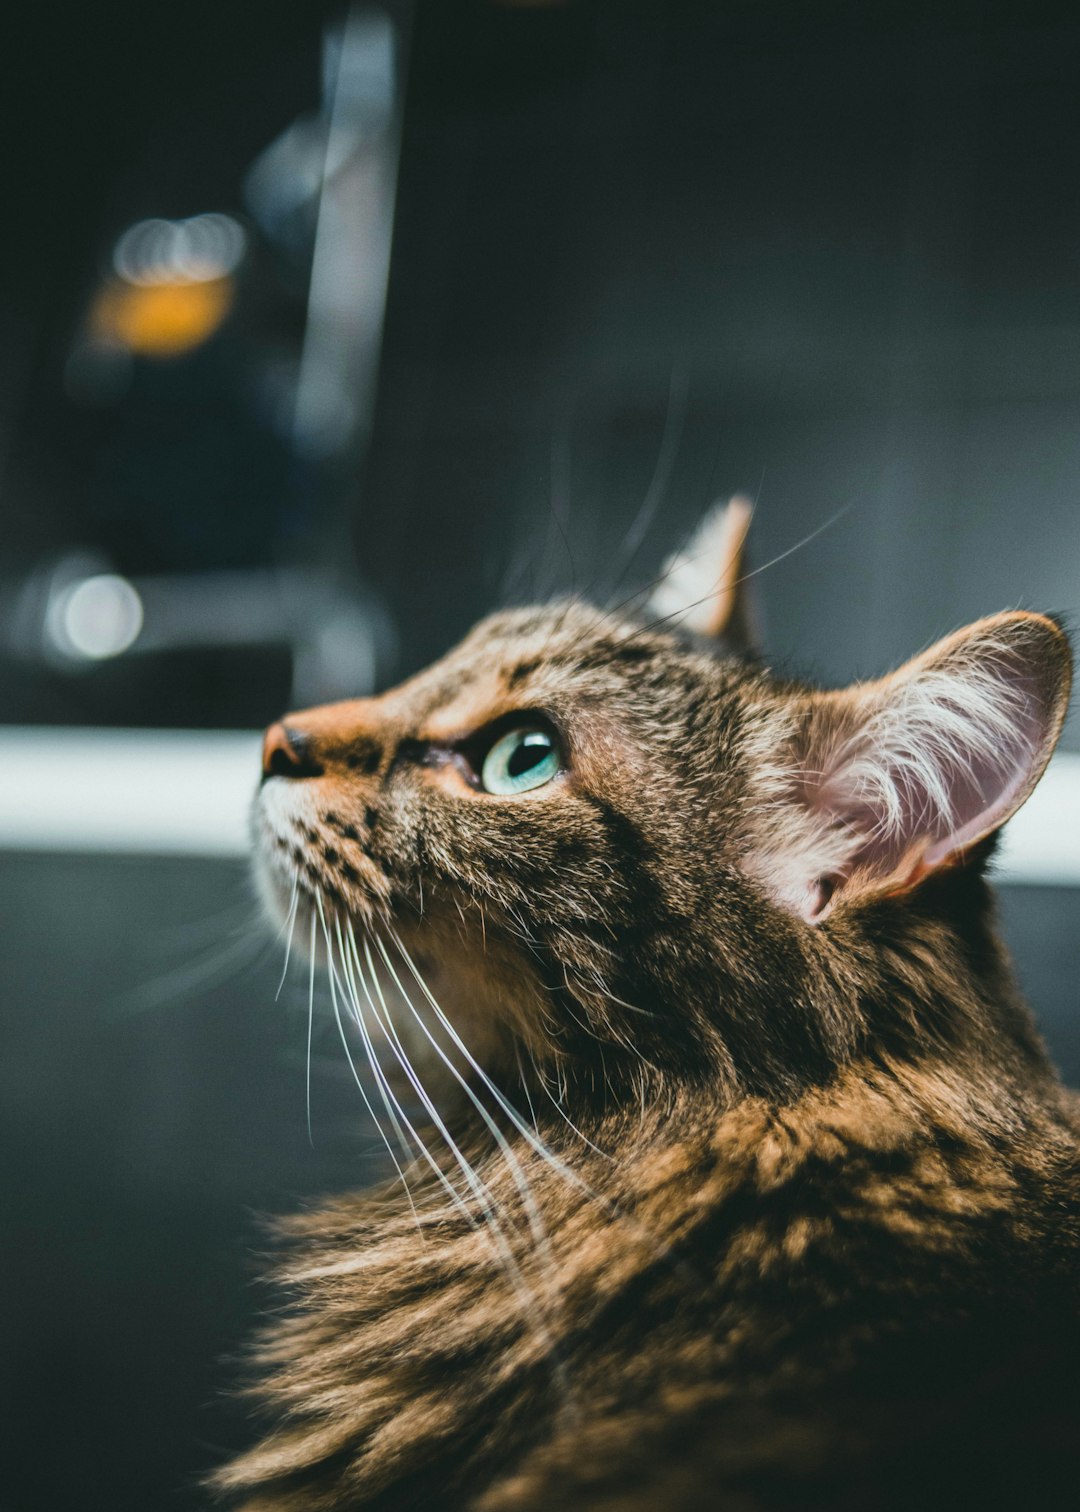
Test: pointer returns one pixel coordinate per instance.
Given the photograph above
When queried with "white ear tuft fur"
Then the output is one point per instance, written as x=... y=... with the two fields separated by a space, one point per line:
x=934 y=757
x=702 y=586
x=900 y=776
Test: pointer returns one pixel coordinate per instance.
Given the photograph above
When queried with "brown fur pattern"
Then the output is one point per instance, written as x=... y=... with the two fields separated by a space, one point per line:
x=791 y=1214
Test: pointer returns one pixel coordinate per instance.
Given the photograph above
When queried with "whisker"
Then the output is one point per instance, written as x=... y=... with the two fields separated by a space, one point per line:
x=560 y=487
x=755 y=572
x=369 y=1049
x=561 y=1111
x=670 y=440
x=217 y=966
x=532 y=1210
x=543 y=1150
x=290 y=924
x=310 y=1022
x=676 y=562
x=406 y=1066
x=348 y=1053
x=491 y=1227
x=476 y=1185
x=660 y=1249
x=232 y=919
x=541 y=1240
x=525 y=1087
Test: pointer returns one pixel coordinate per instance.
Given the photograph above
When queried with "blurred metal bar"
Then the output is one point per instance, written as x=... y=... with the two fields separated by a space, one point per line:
x=77 y=611
x=351 y=256
x=188 y=792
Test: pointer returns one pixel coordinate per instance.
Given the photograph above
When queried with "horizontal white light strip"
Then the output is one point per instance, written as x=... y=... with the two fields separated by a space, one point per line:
x=1042 y=843
x=188 y=793
x=158 y=792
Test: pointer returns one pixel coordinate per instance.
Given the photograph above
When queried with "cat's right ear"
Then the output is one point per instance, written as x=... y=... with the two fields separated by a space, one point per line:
x=888 y=782
x=704 y=586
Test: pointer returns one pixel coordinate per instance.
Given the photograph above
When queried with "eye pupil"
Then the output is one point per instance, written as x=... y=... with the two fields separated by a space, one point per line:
x=524 y=758
x=528 y=754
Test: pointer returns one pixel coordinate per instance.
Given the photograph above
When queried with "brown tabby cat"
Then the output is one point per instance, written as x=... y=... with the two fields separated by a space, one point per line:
x=759 y=1191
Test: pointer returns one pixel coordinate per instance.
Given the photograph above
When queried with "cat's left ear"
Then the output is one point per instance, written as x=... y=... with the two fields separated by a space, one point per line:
x=704 y=586
x=898 y=778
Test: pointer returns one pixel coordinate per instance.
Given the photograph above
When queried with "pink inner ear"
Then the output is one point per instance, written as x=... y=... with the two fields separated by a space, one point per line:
x=941 y=763
x=894 y=777
x=818 y=899
x=983 y=796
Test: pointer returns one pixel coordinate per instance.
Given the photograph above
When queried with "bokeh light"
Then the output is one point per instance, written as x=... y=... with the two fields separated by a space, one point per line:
x=200 y=249
x=95 y=618
x=160 y=319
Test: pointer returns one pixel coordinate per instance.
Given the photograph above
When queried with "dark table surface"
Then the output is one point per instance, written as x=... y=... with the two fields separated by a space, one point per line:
x=152 y=1103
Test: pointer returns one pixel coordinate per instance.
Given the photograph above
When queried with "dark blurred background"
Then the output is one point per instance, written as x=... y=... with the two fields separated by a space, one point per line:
x=322 y=331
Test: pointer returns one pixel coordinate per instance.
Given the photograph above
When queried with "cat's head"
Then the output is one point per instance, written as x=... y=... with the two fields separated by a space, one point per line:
x=611 y=839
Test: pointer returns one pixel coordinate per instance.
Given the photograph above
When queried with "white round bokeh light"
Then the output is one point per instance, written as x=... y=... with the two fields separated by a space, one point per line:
x=96 y=618
x=196 y=250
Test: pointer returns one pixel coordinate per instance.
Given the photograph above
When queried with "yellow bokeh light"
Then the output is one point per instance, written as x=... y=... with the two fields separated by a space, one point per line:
x=160 y=320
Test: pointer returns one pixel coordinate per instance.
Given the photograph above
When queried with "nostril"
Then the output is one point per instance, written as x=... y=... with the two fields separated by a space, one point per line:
x=287 y=753
x=281 y=763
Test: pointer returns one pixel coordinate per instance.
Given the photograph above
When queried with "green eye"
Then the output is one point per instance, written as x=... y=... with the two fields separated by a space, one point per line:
x=522 y=759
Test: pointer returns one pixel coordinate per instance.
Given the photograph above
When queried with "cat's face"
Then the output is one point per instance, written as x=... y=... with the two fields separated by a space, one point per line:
x=555 y=801
x=608 y=843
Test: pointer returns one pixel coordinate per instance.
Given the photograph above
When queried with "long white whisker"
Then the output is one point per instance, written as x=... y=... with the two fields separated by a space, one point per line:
x=532 y=1211
x=671 y=436
x=543 y=1150
x=348 y=1053
x=406 y=1066
x=217 y=966
x=525 y=1088
x=661 y=1250
x=478 y=1188
x=539 y=1233
x=746 y=576
x=369 y=1049
x=561 y=1111
x=310 y=1022
x=290 y=924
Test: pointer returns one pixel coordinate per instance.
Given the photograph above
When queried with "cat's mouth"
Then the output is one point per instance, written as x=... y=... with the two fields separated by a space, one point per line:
x=307 y=854
x=391 y=956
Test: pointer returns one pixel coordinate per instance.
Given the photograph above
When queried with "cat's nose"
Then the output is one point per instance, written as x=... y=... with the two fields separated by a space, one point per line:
x=287 y=752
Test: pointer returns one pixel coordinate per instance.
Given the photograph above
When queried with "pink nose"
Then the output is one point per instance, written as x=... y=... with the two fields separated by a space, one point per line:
x=287 y=753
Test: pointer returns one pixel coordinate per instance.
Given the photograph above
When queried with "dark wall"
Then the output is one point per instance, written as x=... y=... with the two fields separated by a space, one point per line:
x=835 y=247
x=110 y=113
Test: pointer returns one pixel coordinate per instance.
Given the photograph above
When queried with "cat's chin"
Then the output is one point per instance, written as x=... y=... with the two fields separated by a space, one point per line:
x=446 y=988
x=452 y=981
x=482 y=983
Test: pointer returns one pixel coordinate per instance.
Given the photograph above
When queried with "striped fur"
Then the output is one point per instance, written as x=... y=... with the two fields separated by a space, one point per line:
x=771 y=1205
